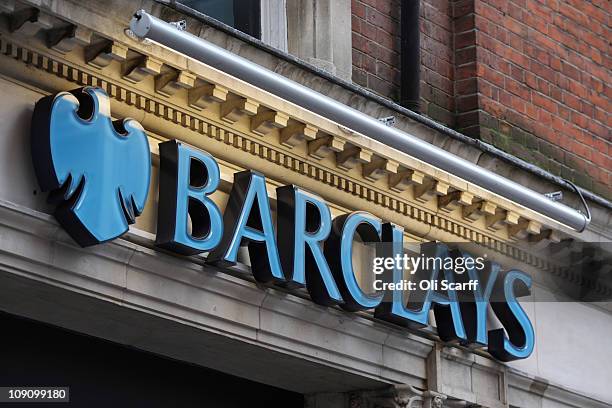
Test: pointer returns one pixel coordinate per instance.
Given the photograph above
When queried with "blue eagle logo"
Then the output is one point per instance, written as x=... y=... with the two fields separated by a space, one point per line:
x=97 y=170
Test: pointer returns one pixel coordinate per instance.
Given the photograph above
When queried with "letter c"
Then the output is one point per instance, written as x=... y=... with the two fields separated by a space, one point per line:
x=339 y=254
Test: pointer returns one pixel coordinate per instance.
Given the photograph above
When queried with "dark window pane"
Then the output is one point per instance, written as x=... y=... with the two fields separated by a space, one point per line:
x=222 y=10
x=248 y=17
x=243 y=15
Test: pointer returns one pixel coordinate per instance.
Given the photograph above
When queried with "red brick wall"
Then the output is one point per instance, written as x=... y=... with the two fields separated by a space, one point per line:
x=376 y=48
x=543 y=72
x=376 y=45
x=530 y=76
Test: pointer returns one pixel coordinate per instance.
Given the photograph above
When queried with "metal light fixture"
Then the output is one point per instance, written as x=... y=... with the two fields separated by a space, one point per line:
x=144 y=25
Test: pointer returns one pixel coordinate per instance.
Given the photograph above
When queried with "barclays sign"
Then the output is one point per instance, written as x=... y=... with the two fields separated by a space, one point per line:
x=98 y=174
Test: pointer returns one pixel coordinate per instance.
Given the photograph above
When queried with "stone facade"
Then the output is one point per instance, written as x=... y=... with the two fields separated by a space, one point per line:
x=130 y=292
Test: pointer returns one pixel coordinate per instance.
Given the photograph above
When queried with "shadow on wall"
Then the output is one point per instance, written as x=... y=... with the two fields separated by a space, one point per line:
x=104 y=374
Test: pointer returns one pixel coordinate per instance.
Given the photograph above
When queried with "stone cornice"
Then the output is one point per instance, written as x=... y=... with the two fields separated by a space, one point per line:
x=188 y=83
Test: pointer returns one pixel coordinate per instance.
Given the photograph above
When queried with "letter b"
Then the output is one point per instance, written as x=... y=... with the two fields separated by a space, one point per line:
x=187 y=177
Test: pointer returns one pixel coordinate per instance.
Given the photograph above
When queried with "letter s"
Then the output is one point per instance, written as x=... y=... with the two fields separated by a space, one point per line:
x=520 y=341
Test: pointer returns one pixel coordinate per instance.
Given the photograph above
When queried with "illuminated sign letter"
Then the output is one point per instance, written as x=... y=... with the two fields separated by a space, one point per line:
x=248 y=217
x=474 y=306
x=521 y=340
x=446 y=308
x=304 y=223
x=187 y=176
x=339 y=254
x=394 y=310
